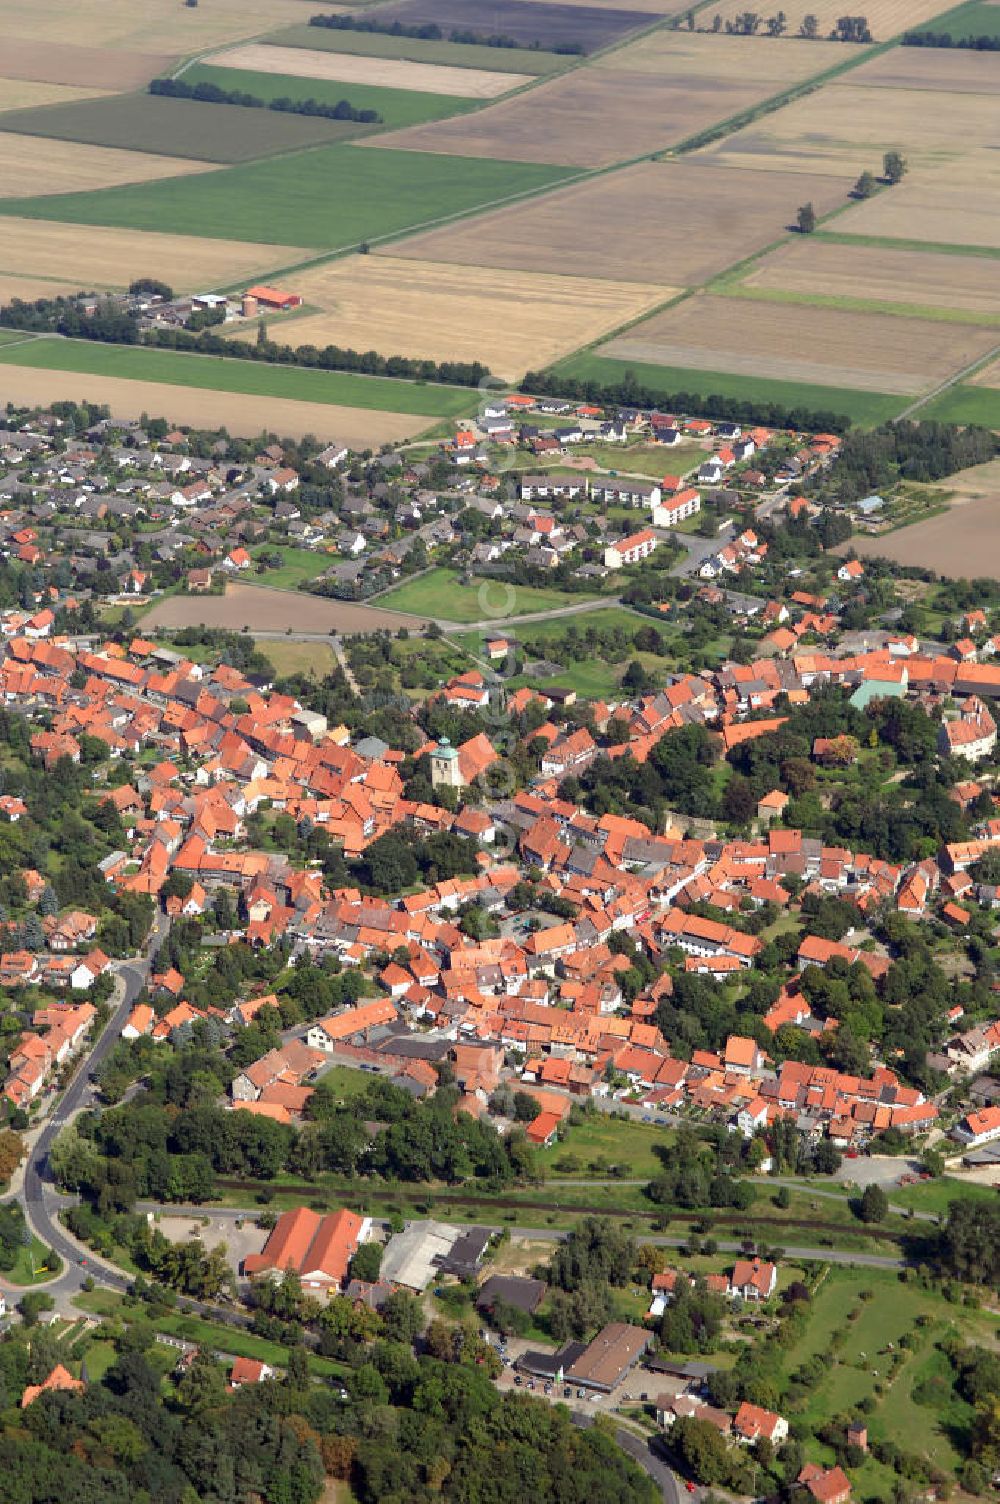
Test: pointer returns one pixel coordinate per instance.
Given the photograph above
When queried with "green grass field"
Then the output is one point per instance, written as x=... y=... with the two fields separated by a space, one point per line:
x=453 y=54
x=30 y=1267
x=861 y=407
x=298 y=565
x=330 y=198
x=217 y=373
x=315 y=658
x=603 y=1141
x=975 y=19
x=398 y=107
x=439 y=594
x=603 y=619
x=179 y=127
x=966 y=404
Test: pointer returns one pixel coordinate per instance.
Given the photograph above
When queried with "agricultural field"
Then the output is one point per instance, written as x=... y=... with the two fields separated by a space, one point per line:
x=847 y=126
x=931 y=68
x=27 y=288
x=241 y=377
x=32 y=164
x=821 y=346
x=183 y=128
x=76 y=66
x=686 y=220
x=358 y=427
x=978 y=18
x=685 y=57
x=956 y=543
x=272 y=611
x=513 y=323
x=143 y=25
x=88 y=257
x=805 y=267
x=613 y=117
x=860 y=406
x=438 y=593
x=536 y=24
x=397 y=107
x=24 y=94
x=954 y=203
x=445 y=54
x=886 y=18
x=351 y=68
x=330 y=198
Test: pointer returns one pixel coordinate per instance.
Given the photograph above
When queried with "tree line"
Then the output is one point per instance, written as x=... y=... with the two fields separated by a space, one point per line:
x=987 y=43
x=206 y=93
x=62 y=315
x=629 y=392
x=429 y=31
x=329 y=358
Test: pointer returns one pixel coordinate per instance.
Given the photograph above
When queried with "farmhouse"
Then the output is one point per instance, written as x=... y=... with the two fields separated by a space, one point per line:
x=273 y=297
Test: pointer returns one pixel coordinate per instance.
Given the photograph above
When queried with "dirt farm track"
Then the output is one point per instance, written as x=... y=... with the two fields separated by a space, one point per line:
x=262 y=609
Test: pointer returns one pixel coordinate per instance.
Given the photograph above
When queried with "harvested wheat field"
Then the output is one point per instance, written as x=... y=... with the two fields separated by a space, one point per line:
x=886 y=18
x=691 y=56
x=514 y=322
x=846 y=127
x=384 y=72
x=880 y=274
x=95 y=256
x=957 y=70
x=24 y=94
x=961 y=543
x=167 y=26
x=86 y=67
x=821 y=346
x=953 y=204
x=577 y=121
x=264 y=610
x=31 y=165
x=988 y=376
x=667 y=224
x=27 y=289
x=358 y=428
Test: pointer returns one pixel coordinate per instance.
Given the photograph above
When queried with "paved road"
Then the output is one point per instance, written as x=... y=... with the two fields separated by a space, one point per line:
x=644 y=1453
x=42 y=1200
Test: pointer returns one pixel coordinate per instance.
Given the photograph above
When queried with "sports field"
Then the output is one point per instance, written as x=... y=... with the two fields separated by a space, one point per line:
x=866 y=408
x=350 y=68
x=397 y=107
x=676 y=222
x=805 y=266
x=358 y=428
x=331 y=197
x=92 y=256
x=445 y=54
x=186 y=128
x=32 y=164
x=821 y=346
x=243 y=377
x=514 y=321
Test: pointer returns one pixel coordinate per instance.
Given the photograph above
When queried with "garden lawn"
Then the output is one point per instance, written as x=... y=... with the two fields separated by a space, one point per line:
x=398 y=107
x=298 y=565
x=332 y=197
x=628 y=1144
x=439 y=594
x=249 y=378
x=869 y=408
x=239 y=1343
x=591 y=679
x=298 y=657
x=346 y=1082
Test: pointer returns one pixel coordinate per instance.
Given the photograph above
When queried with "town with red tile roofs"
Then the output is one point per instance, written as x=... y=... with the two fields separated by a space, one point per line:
x=607 y=986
